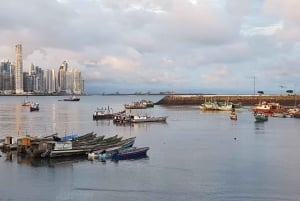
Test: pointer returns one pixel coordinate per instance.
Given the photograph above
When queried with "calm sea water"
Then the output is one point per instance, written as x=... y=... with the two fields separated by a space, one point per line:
x=192 y=157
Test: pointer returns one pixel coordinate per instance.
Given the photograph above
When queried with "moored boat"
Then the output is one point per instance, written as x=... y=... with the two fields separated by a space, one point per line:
x=139 y=119
x=72 y=98
x=260 y=117
x=268 y=107
x=297 y=114
x=34 y=107
x=130 y=153
x=135 y=105
x=105 y=113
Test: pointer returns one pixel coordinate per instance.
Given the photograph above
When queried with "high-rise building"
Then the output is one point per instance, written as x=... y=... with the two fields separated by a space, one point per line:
x=61 y=78
x=50 y=81
x=77 y=89
x=19 y=70
x=6 y=77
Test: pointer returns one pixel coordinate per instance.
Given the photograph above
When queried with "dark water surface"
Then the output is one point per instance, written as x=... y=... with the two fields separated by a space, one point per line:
x=192 y=157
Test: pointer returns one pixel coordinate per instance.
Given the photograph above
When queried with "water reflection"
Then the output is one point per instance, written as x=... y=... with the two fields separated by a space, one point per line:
x=259 y=127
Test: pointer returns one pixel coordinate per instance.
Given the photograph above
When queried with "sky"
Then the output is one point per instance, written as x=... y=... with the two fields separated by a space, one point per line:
x=185 y=46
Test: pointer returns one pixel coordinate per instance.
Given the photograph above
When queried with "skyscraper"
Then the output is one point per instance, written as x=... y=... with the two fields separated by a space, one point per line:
x=19 y=70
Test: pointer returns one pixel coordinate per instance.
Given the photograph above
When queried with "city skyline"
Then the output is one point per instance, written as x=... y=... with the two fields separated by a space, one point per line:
x=14 y=80
x=207 y=46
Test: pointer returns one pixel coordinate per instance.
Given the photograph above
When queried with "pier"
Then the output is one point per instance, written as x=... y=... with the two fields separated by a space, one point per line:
x=246 y=100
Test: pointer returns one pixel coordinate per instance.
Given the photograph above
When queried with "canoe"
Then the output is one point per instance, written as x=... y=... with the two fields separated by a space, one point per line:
x=131 y=153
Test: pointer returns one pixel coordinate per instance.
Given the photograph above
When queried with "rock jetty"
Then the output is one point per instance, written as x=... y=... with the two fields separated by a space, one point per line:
x=245 y=100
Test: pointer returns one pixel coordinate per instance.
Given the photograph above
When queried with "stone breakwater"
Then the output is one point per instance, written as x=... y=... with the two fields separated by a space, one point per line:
x=245 y=100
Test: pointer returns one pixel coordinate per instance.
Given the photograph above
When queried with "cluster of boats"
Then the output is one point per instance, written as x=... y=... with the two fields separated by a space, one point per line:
x=54 y=146
x=34 y=106
x=124 y=117
x=219 y=106
x=261 y=111
x=276 y=110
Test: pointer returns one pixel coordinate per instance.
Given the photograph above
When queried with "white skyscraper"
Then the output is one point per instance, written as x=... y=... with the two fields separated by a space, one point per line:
x=19 y=70
x=50 y=81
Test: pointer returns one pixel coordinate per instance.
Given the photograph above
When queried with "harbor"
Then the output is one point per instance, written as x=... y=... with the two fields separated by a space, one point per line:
x=194 y=155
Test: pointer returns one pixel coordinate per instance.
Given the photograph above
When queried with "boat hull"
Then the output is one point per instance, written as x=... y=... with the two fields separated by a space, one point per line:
x=148 y=119
x=131 y=153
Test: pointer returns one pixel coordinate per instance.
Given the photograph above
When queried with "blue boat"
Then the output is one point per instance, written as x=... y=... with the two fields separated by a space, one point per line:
x=130 y=153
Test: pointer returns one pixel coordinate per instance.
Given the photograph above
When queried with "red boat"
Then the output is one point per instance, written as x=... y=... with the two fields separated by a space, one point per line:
x=268 y=107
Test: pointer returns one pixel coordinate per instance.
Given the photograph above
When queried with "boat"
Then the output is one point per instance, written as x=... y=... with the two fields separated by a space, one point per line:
x=105 y=113
x=268 y=107
x=72 y=98
x=233 y=115
x=108 y=153
x=148 y=103
x=121 y=118
x=296 y=114
x=225 y=106
x=130 y=153
x=135 y=105
x=27 y=103
x=34 y=107
x=260 y=117
x=216 y=106
x=145 y=118
x=209 y=106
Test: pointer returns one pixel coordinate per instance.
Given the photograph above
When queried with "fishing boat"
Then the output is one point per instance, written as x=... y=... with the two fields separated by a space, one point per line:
x=130 y=153
x=121 y=118
x=72 y=98
x=260 y=117
x=139 y=119
x=135 y=105
x=148 y=103
x=105 y=113
x=268 y=107
x=34 y=107
x=209 y=106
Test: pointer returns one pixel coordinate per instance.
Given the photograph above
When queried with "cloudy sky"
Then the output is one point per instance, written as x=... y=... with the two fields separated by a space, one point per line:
x=204 y=46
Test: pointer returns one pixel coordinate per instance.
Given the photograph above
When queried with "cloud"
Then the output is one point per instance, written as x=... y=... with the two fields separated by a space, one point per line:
x=157 y=44
x=123 y=64
x=221 y=75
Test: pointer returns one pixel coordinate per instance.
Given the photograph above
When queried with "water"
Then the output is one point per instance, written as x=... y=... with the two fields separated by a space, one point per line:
x=193 y=156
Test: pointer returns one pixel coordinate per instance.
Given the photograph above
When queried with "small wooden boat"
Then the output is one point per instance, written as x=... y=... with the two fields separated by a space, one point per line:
x=260 y=117
x=233 y=116
x=130 y=153
x=34 y=107
x=27 y=102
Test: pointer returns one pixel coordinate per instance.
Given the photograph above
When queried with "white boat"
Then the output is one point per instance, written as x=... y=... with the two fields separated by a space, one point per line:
x=34 y=107
x=145 y=118
x=209 y=106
